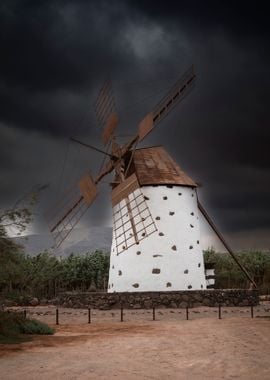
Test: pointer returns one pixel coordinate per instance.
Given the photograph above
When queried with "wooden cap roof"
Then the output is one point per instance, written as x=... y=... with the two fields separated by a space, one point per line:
x=154 y=166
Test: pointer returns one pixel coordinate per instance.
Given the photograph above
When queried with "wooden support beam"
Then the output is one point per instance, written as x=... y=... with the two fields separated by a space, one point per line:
x=221 y=238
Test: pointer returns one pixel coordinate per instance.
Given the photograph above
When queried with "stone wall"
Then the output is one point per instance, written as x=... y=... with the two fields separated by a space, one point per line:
x=138 y=300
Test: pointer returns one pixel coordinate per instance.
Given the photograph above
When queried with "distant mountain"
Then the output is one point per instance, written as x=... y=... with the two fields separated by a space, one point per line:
x=80 y=241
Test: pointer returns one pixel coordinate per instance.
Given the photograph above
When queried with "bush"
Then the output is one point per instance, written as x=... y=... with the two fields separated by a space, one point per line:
x=32 y=326
x=14 y=324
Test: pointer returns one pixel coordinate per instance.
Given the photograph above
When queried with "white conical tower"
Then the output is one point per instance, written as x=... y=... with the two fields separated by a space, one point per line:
x=167 y=254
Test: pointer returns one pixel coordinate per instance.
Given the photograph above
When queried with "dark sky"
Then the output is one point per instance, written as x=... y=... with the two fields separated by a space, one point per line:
x=56 y=54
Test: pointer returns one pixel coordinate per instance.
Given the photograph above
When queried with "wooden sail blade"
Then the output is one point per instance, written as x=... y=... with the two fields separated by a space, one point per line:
x=88 y=189
x=145 y=126
x=181 y=88
x=132 y=218
x=124 y=189
x=106 y=112
x=70 y=209
x=110 y=127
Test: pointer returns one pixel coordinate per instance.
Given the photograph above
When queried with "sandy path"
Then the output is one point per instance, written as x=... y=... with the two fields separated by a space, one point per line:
x=233 y=348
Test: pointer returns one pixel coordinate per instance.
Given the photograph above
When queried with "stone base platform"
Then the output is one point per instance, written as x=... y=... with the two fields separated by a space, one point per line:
x=146 y=300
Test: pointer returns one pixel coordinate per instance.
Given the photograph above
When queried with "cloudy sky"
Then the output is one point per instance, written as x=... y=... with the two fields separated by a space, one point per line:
x=55 y=56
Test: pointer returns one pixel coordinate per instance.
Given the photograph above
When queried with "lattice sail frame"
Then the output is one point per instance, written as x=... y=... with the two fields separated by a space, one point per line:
x=70 y=209
x=106 y=114
x=136 y=205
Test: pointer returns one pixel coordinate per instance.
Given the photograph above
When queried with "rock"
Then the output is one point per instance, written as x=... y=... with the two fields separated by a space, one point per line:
x=183 y=304
x=104 y=307
x=34 y=301
x=9 y=303
x=55 y=301
x=92 y=288
x=206 y=302
x=148 y=304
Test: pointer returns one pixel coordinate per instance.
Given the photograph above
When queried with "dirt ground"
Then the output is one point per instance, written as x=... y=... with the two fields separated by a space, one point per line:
x=236 y=347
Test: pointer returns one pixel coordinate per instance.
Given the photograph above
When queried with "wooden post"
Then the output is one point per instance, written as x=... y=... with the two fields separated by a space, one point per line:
x=57 y=317
x=89 y=315
x=251 y=311
x=154 y=313
x=187 y=313
x=122 y=314
x=219 y=311
x=24 y=313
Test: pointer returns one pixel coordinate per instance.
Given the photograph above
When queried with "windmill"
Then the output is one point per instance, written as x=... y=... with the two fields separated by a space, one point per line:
x=156 y=211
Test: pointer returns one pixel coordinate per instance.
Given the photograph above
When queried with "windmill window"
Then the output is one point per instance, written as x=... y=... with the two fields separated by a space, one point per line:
x=174 y=248
x=158 y=218
x=190 y=287
x=168 y=284
x=157 y=255
x=136 y=285
x=191 y=247
x=171 y=213
x=191 y=225
x=186 y=271
x=202 y=286
x=155 y=270
x=112 y=285
x=146 y=198
x=192 y=195
x=119 y=273
x=199 y=265
x=198 y=242
x=138 y=252
x=165 y=198
x=161 y=234
x=113 y=267
x=179 y=193
x=192 y=213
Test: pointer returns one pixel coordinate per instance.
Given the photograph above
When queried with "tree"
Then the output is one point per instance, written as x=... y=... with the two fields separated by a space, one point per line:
x=20 y=215
x=12 y=261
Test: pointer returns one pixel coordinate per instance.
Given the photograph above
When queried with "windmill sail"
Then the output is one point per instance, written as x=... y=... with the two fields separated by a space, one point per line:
x=106 y=112
x=71 y=208
x=180 y=89
x=132 y=221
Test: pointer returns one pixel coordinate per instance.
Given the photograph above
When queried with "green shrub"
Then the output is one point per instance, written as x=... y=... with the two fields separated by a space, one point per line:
x=14 y=324
x=32 y=326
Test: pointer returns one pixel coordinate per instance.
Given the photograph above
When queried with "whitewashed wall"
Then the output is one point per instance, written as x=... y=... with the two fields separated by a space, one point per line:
x=210 y=281
x=169 y=259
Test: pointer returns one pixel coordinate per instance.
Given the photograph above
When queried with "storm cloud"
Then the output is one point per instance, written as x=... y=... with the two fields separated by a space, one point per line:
x=56 y=54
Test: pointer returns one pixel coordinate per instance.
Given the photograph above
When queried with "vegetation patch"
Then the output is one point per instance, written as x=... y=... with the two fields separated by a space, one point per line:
x=229 y=275
x=15 y=328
